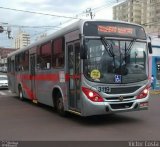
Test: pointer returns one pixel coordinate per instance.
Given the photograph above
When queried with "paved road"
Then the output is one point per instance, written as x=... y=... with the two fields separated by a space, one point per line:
x=27 y=121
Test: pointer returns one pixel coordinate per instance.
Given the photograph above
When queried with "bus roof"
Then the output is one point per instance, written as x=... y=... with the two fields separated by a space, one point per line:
x=72 y=27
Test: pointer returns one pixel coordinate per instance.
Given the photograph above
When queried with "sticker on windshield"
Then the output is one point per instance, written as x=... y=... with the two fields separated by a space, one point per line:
x=117 y=78
x=95 y=74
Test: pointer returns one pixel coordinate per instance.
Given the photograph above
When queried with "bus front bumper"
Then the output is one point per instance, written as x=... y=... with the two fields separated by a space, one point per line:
x=102 y=108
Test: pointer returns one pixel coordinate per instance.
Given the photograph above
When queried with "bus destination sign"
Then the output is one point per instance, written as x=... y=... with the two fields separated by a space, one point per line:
x=115 y=29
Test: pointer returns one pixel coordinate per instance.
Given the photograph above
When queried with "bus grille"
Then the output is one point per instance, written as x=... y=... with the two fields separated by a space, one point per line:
x=125 y=98
x=123 y=90
x=121 y=106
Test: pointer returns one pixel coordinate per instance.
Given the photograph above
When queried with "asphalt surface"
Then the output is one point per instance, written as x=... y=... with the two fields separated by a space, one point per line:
x=25 y=121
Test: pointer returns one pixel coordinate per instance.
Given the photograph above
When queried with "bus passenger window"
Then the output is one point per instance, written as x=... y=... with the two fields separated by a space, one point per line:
x=26 y=61
x=44 y=56
x=17 y=62
x=9 y=64
x=58 y=53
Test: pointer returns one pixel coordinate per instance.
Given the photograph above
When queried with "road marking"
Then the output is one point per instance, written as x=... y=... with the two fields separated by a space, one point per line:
x=2 y=93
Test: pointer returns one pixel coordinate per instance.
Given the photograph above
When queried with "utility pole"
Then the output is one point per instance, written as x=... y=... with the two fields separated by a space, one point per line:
x=8 y=30
x=90 y=13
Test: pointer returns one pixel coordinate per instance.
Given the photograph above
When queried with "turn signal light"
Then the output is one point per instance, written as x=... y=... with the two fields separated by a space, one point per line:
x=92 y=95
x=144 y=104
x=143 y=93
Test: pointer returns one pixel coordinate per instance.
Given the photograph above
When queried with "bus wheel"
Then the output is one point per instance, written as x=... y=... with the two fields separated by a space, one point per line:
x=21 y=94
x=60 y=106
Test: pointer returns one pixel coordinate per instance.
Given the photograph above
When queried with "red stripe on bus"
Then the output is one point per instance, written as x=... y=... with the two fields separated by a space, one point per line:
x=43 y=77
x=67 y=77
x=24 y=77
x=28 y=91
x=48 y=77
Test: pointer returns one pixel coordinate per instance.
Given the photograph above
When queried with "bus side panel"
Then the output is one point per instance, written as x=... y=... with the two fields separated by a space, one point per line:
x=17 y=82
x=26 y=85
x=44 y=90
x=23 y=80
x=45 y=84
x=11 y=82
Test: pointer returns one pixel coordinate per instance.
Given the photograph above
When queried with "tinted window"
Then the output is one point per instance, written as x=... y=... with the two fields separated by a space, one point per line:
x=44 y=56
x=9 y=64
x=58 y=53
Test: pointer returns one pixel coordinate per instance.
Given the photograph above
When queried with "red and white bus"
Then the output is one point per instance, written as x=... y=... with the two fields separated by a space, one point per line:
x=88 y=68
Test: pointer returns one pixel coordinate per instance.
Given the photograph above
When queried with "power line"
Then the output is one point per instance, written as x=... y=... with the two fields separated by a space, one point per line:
x=91 y=11
x=108 y=4
x=105 y=6
x=150 y=23
x=39 y=13
x=50 y=15
x=4 y=24
x=35 y=27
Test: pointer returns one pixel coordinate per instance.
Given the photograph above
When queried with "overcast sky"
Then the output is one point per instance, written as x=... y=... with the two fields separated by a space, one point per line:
x=67 y=8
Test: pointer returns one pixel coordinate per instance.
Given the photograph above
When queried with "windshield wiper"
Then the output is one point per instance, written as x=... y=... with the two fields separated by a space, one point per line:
x=108 y=47
x=127 y=50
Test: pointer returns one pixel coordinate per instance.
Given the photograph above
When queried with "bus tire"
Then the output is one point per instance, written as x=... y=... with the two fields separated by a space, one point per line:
x=20 y=93
x=60 y=106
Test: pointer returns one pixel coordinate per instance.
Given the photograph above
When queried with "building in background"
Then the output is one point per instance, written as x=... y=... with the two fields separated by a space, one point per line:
x=22 y=40
x=128 y=11
x=143 y=12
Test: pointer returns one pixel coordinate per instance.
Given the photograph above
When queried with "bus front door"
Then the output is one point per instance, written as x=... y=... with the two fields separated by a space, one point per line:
x=73 y=50
x=32 y=73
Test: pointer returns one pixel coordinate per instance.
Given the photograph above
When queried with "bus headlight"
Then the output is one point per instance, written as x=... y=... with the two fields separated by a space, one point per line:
x=143 y=93
x=92 y=95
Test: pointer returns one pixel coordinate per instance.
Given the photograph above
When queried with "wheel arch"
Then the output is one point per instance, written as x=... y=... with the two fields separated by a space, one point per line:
x=56 y=92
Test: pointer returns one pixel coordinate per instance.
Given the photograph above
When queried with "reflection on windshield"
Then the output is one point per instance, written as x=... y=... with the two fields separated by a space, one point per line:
x=107 y=58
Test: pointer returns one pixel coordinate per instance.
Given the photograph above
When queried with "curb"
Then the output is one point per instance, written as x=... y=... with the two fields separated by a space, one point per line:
x=155 y=92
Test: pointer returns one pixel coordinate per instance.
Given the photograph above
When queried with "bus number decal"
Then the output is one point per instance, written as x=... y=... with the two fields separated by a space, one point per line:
x=103 y=89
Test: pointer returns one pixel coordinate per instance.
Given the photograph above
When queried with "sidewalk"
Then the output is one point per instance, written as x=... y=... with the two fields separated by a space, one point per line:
x=156 y=91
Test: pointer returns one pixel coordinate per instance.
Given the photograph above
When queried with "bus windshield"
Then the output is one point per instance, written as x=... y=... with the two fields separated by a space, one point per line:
x=107 y=58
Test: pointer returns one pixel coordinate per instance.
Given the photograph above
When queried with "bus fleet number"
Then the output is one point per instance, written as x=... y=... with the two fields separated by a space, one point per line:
x=103 y=89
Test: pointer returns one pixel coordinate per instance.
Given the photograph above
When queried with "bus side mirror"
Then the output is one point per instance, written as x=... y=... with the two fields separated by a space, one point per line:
x=150 y=47
x=83 y=52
